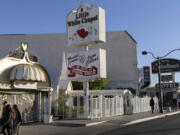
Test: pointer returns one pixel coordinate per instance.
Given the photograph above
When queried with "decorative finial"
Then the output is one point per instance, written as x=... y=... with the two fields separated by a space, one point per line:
x=24 y=46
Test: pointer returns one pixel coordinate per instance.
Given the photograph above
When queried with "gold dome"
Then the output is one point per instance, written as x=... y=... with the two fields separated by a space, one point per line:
x=28 y=72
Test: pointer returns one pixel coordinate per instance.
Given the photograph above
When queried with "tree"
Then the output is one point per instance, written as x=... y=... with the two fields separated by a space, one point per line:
x=98 y=84
x=77 y=85
x=94 y=85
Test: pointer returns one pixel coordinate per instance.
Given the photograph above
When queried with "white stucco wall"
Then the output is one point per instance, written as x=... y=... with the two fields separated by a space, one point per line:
x=121 y=53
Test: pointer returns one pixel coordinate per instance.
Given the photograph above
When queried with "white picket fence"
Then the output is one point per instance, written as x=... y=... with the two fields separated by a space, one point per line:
x=103 y=106
x=106 y=107
x=142 y=104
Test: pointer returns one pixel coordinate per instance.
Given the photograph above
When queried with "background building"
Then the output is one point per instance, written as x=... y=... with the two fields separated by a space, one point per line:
x=120 y=46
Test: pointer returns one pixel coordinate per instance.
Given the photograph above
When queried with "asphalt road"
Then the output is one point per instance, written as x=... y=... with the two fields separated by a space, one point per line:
x=164 y=126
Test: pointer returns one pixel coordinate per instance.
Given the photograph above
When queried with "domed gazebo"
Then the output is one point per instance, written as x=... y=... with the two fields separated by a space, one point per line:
x=23 y=81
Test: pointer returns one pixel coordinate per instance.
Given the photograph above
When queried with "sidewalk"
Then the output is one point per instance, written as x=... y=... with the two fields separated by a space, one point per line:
x=122 y=120
x=85 y=127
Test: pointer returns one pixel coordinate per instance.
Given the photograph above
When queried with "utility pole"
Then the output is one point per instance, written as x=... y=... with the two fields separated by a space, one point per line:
x=160 y=90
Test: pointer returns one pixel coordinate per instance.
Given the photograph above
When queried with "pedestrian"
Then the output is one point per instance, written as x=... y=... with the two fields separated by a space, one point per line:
x=16 y=119
x=3 y=111
x=7 y=120
x=174 y=104
x=151 y=103
x=5 y=103
x=3 y=114
x=178 y=103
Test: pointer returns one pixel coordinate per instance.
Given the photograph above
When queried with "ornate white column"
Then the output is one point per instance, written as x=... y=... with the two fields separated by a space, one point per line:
x=39 y=107
x=45 y=105
x=48 y=117
x=57 y=102
x=14 y=99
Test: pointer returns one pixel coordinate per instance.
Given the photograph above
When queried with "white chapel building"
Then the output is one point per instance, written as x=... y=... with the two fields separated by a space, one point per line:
x=120 y=47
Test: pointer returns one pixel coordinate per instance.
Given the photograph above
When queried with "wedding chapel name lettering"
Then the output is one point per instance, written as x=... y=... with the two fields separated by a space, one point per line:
x=72 y=59
x=169 y=66
x=84 y=71
x=91 y=59
x=82 y=18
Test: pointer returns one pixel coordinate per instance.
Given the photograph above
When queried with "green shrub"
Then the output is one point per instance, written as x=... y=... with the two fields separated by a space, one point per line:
x=93 y=85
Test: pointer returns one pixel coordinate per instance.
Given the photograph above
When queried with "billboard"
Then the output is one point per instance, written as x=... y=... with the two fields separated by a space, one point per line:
x=167 y=66
x=88 y=65
x=146 y=70
x=146 y=76
x=85 y=25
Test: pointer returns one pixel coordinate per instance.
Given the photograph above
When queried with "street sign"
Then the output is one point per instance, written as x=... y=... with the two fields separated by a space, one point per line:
x=146 y=73
x=167 y=85
x=167 y=66
x=166 y=78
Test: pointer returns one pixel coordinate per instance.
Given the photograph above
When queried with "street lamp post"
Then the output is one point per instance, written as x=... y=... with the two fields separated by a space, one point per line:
x=160 y=90
x=159 y=76
x=159 y=80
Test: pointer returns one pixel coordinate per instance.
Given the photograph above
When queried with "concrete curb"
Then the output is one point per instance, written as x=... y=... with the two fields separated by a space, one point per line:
x=136 y=121
x=149 y=118
x=68 y=124
x=95 y=123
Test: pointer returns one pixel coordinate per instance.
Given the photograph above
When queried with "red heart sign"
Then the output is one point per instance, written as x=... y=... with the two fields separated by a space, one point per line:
x=82 y=33
x=82 y=59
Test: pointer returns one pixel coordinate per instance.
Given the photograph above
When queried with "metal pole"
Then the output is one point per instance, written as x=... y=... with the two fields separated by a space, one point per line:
x=173 y=75
x=86 y=98
x=63 y=109
x=160 y=90
x=86 y=94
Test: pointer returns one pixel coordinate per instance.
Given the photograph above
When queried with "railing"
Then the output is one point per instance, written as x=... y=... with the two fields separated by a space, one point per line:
x=107 y=106
x=142 y=104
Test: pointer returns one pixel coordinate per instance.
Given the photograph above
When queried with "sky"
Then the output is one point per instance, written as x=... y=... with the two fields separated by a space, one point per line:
x=154 y=24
